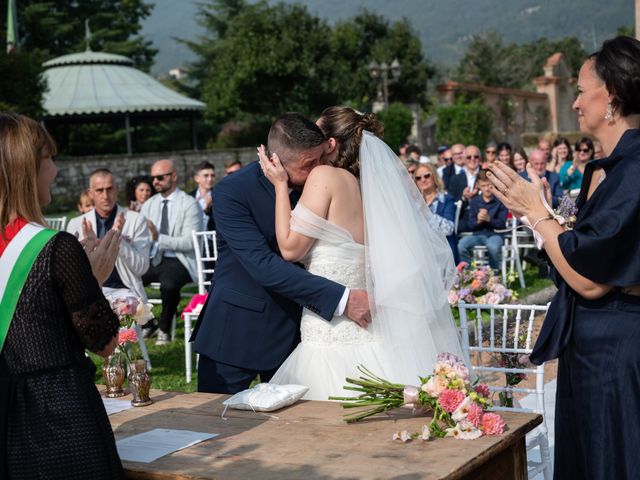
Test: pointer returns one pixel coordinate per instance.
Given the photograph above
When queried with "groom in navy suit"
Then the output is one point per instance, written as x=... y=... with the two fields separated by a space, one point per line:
x=251 y=320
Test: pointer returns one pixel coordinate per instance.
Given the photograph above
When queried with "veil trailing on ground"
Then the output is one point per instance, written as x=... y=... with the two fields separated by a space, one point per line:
x=409 y=265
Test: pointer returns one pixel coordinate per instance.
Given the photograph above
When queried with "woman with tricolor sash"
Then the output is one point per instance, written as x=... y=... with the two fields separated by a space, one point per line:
x=52 y=420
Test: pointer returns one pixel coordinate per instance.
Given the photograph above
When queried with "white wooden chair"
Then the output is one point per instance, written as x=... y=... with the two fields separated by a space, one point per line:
x=206 y=250
x=56 y=223
x=506 y=329
x=511 y=255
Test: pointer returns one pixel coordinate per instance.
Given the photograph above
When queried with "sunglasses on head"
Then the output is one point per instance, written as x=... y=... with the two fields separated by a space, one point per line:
x=469 y=157
x=161 y=177
x=422 y=177
x=584 y=150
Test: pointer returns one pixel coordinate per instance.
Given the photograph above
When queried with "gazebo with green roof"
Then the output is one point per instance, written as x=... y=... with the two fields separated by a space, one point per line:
x=98 y=86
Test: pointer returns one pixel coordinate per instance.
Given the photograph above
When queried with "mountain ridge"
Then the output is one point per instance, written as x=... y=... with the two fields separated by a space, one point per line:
x=444 y=27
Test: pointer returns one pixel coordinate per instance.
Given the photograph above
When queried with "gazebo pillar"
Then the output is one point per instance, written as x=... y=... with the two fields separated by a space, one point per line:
x=194 y=132
x=127 y=128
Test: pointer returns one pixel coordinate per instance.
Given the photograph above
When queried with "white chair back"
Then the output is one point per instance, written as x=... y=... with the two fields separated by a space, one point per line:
x=457 y=217
x=206 y=249
x=56 y=223
x=507 y=330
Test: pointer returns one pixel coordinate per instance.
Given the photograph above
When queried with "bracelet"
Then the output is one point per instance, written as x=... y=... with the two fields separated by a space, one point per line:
x=542 y=219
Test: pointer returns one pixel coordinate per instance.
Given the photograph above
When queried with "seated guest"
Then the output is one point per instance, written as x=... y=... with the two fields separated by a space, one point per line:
x=505 y=154
x=447 y=161
x=520 y=159
x=490 y=154
x=486 y=214
x=139 y=190
x=84 y=202
x=571 y=172
x=133 y=257
x=205 y=177
x=463 y=185
x=453 y=169
x=440 y=203
x=53 y=423
x=232 y=166
x=173 y=215
x=411 y=165
x=538 y=161
x=560 y=155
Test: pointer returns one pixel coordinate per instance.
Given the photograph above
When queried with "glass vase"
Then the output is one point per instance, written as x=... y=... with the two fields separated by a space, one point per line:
x=139 y=383
x=113 y=374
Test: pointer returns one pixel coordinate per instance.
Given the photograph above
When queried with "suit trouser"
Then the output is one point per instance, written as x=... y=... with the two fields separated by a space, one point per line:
x=172 y=276
x=218 y=377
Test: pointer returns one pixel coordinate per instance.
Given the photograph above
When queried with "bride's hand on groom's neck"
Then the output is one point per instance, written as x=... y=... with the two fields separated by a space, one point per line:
x=357 y=308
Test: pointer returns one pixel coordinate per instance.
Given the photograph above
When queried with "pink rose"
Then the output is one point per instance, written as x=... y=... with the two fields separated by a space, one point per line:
x=453 y=298
x=435 y=385
x=492 y=424
x=450 y=400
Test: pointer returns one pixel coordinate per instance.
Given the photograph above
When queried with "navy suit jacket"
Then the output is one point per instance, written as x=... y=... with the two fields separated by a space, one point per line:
x=447 y=174
x=554 y=182
x=252 y=315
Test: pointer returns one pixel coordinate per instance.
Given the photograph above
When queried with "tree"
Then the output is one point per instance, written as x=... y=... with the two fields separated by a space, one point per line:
x=367 y=36
x=398 y=121
x=263 y=61
x=21 y=83
x=57 y=27
x=466 y=123
x=489 y=61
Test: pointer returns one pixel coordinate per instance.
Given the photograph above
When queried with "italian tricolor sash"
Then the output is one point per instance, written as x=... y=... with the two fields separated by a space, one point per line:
x=15 y=264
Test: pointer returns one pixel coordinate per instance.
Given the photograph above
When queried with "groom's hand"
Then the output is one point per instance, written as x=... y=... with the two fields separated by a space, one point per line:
x=358 y=308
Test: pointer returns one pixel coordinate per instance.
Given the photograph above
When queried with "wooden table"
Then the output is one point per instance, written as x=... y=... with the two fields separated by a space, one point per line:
x=310 y=440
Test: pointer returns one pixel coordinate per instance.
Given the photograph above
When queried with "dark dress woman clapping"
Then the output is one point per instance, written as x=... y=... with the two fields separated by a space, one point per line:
x=593 y=323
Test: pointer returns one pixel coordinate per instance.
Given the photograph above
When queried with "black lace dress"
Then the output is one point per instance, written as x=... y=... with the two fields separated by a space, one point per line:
x=52 y=421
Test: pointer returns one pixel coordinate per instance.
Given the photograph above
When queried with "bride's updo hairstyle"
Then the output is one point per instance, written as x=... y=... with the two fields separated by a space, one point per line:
x=346 y=125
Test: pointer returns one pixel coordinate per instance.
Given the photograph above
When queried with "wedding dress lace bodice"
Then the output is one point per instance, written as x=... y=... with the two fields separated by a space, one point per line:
x=336 y=256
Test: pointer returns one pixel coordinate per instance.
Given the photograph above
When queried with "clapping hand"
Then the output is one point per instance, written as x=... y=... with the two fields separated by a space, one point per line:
x=103 y=257
x=119 y=222
x=272 y=167
x=153 y=230
x=468 y=193
x=521 y=197
x=483 y=215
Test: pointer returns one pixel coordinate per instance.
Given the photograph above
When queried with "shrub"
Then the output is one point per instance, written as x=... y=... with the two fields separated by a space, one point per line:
x=466 y=123
x=398 y=120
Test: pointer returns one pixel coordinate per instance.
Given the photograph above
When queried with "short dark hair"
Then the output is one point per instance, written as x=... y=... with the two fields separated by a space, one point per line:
x=413 y=149
x=205 y=165
x=293 y=132
x=232 y=162
x=617 y=63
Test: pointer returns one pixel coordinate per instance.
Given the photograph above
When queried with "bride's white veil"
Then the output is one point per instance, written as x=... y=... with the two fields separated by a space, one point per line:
x=409 y=265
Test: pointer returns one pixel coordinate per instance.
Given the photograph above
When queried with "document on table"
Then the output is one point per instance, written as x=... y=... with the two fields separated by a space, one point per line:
x=113 y=405
x=149 y=446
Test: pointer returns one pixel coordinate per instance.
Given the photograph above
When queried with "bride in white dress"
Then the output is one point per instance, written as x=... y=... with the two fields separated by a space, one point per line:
x=363 y=223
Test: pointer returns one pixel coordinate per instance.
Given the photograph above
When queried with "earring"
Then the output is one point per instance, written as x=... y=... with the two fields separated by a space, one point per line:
x=608 y=116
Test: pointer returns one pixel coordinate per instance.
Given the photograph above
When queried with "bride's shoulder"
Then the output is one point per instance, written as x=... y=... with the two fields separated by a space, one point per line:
x=329 y=174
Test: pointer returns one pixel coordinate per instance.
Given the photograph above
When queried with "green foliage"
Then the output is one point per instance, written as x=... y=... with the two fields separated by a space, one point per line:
x=258 y=60
x=397 y=120
x=56 y=27
x=466 y=123
x=21 y=83
x=489 y=61
x=628 y=31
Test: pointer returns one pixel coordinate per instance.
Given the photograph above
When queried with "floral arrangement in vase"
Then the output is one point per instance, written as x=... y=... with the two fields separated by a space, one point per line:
x=478 y=285
x=132 y=313
x=458 y=408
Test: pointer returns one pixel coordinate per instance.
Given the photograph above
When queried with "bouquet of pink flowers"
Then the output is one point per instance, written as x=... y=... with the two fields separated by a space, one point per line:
x=479 y=285
x=459 y=408
x=131 y=311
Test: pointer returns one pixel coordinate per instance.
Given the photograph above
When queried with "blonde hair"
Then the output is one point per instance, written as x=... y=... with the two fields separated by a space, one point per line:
x=23 y=145
x=434 y=175
x=346 y=125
